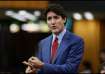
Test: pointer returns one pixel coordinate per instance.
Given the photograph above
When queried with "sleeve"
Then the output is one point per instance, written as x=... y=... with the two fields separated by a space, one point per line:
x=39 y=52
x=72 y=62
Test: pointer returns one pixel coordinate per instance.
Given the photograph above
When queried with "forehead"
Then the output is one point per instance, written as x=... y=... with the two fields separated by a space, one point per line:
x=51 y=13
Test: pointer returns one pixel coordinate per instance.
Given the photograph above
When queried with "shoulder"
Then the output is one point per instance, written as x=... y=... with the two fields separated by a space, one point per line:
x=73 y=37
x=45 y=39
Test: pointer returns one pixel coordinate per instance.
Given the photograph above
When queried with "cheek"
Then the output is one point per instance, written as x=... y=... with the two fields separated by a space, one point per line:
x=61 y=24
x=49 y=26
x=61 y=21
x=48 y=23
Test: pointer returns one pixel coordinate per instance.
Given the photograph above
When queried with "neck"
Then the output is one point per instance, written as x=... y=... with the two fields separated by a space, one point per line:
x=57 y=33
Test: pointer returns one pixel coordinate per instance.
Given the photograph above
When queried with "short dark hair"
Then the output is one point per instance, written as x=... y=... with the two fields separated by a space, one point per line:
x=56 y=8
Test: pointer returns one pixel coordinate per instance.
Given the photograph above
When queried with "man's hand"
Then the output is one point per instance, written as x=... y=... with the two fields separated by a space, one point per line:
x=35 y=62
x=30 y=70
x=33 y=65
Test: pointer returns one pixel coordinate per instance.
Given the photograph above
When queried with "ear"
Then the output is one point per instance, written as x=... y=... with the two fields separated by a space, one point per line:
x=65 y=19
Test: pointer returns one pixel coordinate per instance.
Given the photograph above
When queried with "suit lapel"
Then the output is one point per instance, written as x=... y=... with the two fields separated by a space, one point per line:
x=46 y=50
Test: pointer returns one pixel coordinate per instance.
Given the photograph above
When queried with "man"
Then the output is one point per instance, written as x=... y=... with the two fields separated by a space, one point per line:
x=59 y=53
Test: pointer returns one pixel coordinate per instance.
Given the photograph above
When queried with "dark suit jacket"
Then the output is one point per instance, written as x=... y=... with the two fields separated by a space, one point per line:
x=68 y=56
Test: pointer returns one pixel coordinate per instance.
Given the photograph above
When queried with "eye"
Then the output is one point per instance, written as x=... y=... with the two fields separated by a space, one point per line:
x=56 y=17
x=49 y=18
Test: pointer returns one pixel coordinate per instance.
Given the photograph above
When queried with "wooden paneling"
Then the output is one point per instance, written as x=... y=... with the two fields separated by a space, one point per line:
x=90 y=32
x=102 y=34
x=24 y=4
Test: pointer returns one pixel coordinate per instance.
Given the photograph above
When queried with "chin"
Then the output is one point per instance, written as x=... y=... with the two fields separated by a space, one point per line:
x=55 y=31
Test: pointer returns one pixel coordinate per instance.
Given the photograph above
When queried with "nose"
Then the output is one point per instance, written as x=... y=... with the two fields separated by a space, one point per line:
x=53 y=21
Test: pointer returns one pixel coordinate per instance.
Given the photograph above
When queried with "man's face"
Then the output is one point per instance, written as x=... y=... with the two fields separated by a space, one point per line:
x=55 y=22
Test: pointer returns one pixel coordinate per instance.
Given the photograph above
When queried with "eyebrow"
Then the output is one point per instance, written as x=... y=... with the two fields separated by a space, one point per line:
x=52 y=17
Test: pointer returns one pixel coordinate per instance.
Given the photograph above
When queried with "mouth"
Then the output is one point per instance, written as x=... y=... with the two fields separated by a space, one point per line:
x=54 y=27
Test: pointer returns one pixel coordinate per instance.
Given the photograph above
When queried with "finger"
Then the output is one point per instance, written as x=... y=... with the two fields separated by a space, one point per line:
x=32 y=58
x=27 y=63
x=31 y=63
x=30 y=70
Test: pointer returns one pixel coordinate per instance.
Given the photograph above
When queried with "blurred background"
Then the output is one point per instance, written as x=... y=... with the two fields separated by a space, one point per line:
x=22 y=26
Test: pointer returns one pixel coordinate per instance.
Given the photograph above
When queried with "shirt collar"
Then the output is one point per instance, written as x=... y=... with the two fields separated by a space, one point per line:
x=60 y=36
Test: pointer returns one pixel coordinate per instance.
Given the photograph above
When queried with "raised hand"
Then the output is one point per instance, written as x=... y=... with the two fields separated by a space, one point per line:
x=35 y=62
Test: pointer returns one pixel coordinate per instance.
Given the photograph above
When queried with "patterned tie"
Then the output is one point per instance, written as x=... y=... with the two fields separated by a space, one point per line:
x=54 y=48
